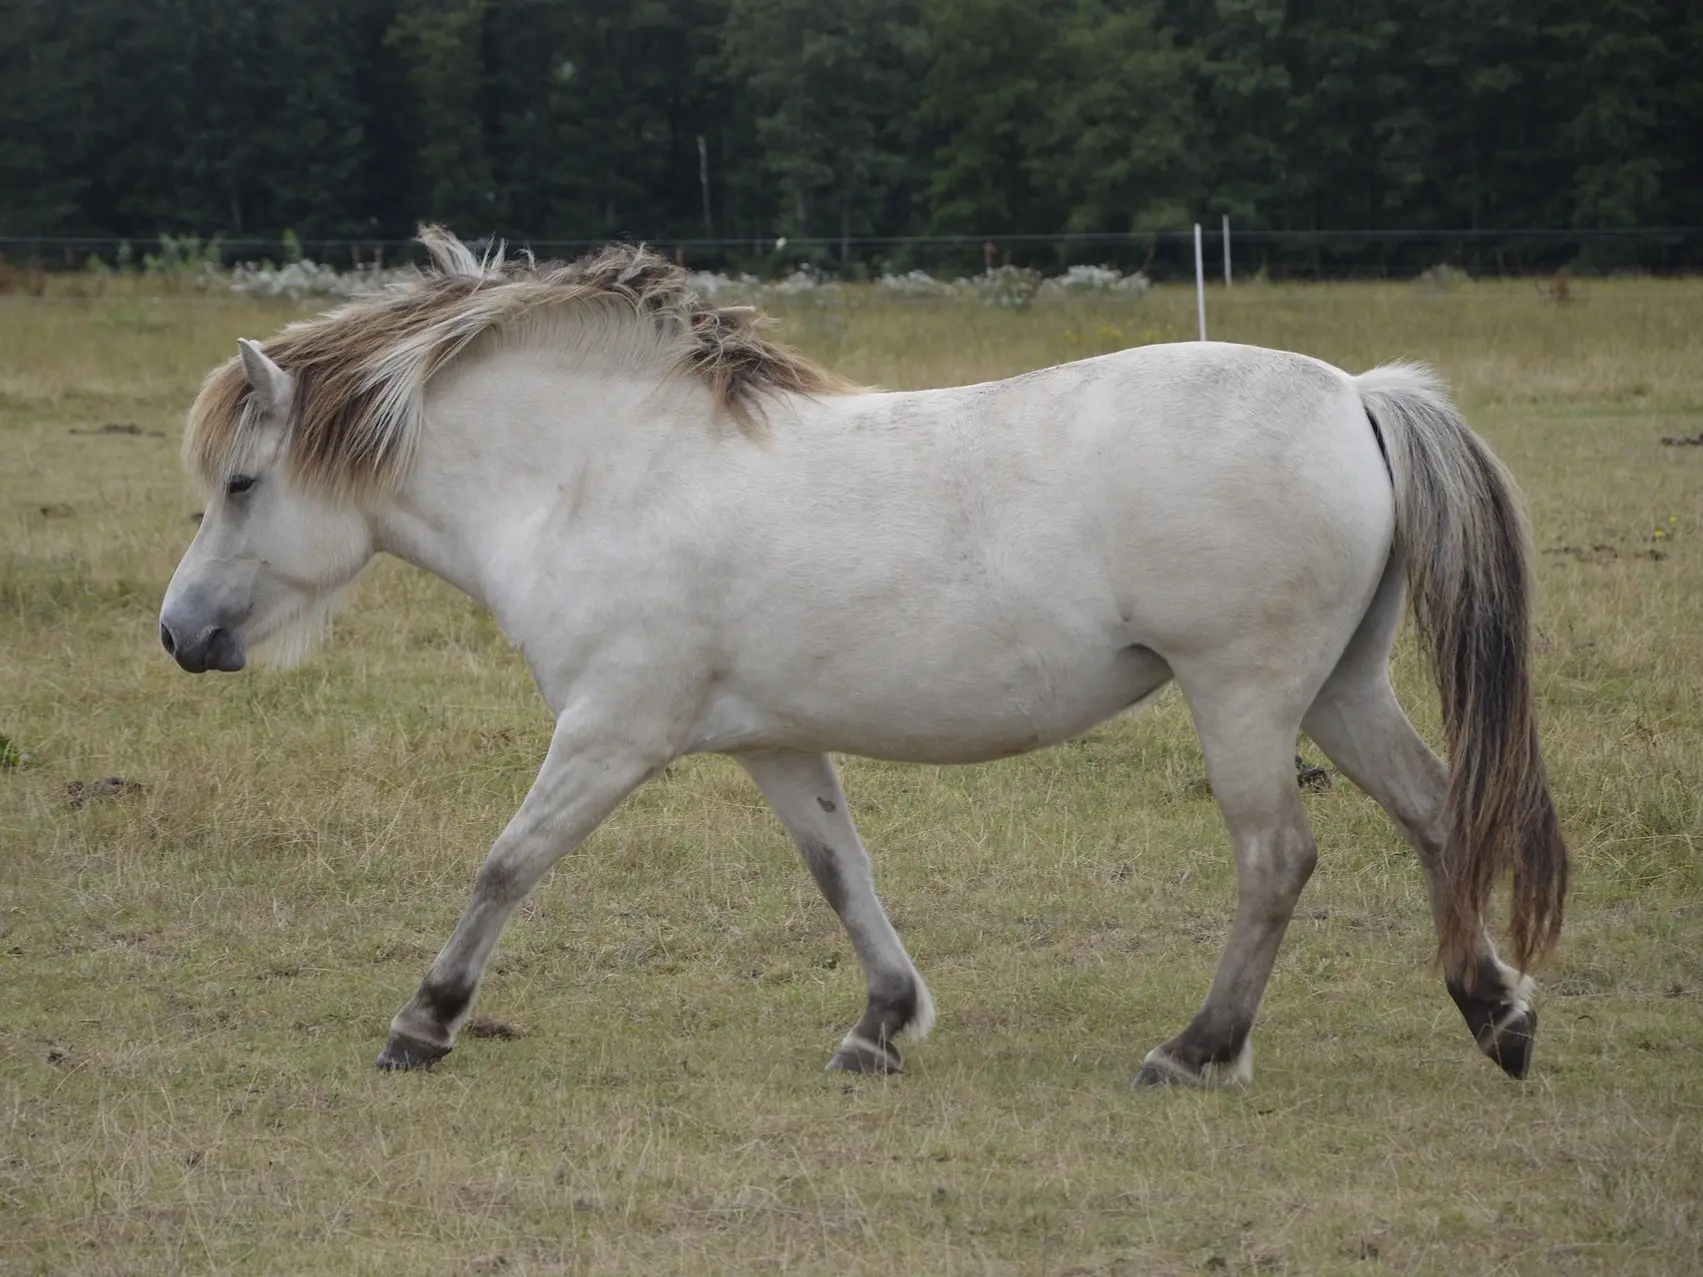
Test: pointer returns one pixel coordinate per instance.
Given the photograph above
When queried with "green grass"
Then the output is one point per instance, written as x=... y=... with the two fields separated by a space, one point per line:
x=198 y=973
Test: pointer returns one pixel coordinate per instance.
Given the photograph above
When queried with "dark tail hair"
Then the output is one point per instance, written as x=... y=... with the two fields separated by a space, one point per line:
x=1468 y=558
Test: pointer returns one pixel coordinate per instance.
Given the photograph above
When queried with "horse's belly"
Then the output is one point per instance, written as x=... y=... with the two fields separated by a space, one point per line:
x=943 y=714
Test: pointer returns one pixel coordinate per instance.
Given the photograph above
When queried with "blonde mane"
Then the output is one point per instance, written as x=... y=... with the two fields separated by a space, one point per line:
x=360 y=371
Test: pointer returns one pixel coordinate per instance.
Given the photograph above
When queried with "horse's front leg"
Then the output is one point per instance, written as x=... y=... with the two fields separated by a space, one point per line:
x=806 y=795
x=593 y=763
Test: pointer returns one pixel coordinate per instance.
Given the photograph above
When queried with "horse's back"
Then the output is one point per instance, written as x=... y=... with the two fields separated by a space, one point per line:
x=961 y=573
x=1186 y=475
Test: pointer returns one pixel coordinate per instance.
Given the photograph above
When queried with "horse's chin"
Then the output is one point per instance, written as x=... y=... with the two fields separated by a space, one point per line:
x=286 y=648
x=289 y=641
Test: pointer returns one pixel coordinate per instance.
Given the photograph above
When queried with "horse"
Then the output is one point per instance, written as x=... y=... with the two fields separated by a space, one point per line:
x=702 y=541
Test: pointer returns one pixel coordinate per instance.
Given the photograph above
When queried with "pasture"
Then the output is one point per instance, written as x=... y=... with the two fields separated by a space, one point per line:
x=200 y=962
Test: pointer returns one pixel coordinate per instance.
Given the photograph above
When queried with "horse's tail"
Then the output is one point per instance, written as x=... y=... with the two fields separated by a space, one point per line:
x=1468 y=558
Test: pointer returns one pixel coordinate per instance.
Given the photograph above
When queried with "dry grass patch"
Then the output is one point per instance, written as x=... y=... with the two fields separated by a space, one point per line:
x=200 y=969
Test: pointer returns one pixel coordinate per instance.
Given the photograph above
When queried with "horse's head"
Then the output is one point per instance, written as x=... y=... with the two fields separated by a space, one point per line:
x=271 y=555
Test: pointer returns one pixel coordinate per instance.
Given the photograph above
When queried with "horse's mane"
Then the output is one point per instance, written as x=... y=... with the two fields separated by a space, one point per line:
x=359 y=371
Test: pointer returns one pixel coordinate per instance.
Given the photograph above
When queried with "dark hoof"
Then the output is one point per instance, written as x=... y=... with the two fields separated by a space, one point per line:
x=1154 y=1075
x=403 y=1052
x=858 y=1056
x=1511 y=1045
x=1505 y=1026
x=1160 y=1069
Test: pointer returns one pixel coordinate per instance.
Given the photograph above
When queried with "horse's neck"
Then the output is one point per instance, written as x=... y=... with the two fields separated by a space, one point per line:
x=419 y=529
x=504 y=448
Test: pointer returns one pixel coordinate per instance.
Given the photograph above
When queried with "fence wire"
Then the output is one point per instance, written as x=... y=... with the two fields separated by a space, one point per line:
x=1162 y=255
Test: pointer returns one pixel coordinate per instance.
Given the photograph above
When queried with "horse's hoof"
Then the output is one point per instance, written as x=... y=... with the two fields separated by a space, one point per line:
x=404 y=1052
x=1161 y=1070
x=1149 y=1075
x=859 y=1056
x=1504 y=1025
x=1510 y=1044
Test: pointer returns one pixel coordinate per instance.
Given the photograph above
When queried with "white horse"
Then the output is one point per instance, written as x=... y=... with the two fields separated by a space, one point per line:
x=701 y=542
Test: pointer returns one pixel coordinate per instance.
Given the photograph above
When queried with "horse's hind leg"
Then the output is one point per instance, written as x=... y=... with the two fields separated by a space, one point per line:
x=806 y=795
x=1360 y=726
x=1248 y=735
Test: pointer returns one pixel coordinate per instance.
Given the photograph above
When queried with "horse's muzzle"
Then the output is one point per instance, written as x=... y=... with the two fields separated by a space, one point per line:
x=212 y=647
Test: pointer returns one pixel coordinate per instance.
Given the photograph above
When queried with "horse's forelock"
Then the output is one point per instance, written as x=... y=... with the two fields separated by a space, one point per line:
x=215 y=423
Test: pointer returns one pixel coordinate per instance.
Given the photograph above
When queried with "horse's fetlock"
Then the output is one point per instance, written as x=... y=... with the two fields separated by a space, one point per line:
x=1215 y=1037
x=893 y=1002
x=446 y=1000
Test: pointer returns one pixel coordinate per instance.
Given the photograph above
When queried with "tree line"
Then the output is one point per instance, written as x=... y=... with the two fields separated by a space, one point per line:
x=840 y=119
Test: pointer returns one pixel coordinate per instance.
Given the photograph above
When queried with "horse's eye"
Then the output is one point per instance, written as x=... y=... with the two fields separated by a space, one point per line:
x=239 y=483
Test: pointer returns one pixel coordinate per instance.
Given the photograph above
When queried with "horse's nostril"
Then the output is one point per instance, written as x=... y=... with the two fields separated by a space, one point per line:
x=166 y=640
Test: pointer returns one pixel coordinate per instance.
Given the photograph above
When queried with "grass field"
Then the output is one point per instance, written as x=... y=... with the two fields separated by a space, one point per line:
x=199 y=968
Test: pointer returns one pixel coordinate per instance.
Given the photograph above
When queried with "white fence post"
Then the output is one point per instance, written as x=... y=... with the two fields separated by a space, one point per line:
x=1199 y=281
x=1226 y=250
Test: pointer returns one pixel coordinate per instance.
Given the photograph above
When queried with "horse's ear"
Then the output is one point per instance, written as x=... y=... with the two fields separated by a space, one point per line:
x=270 y=382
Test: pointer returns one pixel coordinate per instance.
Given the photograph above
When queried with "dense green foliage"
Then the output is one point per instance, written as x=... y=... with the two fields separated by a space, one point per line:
x=579 y=119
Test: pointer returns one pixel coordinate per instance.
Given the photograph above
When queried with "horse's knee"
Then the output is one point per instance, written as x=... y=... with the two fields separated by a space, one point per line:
x=1296 y=856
